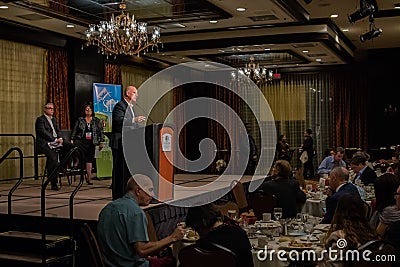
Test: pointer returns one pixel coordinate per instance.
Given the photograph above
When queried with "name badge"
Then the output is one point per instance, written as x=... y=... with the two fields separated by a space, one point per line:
x=89 y=136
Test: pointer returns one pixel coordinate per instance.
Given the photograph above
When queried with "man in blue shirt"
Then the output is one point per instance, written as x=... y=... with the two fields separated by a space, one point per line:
x=328 y=163
x=122 y=227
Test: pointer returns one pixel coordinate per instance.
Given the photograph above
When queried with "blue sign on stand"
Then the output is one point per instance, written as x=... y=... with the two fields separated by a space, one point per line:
x=105 y=97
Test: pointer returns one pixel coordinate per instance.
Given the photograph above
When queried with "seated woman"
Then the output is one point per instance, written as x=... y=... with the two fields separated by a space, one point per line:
x=88 y=133
x=207 y=221
x=349 y=223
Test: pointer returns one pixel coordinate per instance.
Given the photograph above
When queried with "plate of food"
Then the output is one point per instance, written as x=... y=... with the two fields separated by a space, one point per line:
x=296 y=233
x=312 y=239
x=322 y=227
x=191 y=236
x=296 y=245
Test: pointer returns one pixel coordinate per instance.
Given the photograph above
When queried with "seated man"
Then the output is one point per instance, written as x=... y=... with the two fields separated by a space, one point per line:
x=363 y=173
x=286 y=190
x=48 y=139
x=122 y=227
x=338 y=187
x=331 y=161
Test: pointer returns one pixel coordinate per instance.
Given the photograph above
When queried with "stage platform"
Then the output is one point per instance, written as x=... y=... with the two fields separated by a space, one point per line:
x=90 y=199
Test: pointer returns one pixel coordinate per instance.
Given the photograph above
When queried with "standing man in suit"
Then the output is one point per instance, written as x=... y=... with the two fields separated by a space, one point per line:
x=120 y=173
x=338 y=187
x=308 y=145
x=47 y=139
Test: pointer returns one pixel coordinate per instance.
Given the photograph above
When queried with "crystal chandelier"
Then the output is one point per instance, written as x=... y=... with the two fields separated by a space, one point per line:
x=259 y=75
x=122 y=35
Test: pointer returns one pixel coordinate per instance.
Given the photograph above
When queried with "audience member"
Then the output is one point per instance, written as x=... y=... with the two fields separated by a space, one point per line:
x=208 y=222
x=49 y=141
x=282 y=148
x=287 y=191
x=308 y=146
x=122 y=228
x=329 y=162
x=363 y=173
x=338 y=187
x=87 y=134
x=120 y=172
x=392 y=233
x=348 y=223
x=390 y=214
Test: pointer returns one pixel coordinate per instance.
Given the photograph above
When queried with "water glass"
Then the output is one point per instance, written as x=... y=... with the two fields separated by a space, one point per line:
x=278 y=213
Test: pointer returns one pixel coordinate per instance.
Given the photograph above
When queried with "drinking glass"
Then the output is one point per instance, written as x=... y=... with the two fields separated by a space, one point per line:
x=308 y=228
x=232 y=214
x=278 y=213
x=309 y=188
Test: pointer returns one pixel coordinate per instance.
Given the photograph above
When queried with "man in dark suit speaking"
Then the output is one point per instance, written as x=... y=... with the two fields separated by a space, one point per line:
x=123 y=115
x=48 y=140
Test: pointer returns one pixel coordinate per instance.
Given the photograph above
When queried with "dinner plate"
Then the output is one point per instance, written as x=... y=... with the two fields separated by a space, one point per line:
x=299 y=246
x=312 y=239
x=322 y=227
x=190 y=239
x=297 y=233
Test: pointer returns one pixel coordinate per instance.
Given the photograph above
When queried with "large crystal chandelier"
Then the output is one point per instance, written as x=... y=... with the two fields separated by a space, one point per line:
x=122 y=35
x=259 y=75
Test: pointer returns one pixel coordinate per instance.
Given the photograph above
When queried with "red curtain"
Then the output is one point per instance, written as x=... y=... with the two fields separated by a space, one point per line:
x=57 y=85
x=112 y=74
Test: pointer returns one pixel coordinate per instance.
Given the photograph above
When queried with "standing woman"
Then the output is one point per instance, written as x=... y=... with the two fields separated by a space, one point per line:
x=308 y=145
x=87 y=134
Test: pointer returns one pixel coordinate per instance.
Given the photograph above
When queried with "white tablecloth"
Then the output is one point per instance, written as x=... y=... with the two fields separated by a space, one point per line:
x=314 y=207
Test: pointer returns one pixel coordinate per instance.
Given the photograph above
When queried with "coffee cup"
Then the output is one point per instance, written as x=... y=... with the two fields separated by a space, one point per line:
x=267 y=217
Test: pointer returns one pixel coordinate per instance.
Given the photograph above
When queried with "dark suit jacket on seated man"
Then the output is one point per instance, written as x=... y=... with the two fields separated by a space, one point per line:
x=364 y=173
x=338 y=187
x=120 y=173
x=122 y=227
x=47 y=131
x=286 y=189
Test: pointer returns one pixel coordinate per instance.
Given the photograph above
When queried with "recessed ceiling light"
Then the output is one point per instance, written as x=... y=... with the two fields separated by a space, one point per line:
x=305 y=51
x=397 y=6
x=3 y=7
x=241 y=9
x=267 y=49
x=334 y=16
x=70 y=26
x=318 y=59
x=345 y=30
x=213 y=21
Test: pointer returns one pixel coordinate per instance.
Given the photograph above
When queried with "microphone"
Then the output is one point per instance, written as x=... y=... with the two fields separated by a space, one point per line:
x=145 y=113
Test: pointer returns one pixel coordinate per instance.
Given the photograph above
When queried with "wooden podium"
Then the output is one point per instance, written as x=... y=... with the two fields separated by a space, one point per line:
x=153 y=157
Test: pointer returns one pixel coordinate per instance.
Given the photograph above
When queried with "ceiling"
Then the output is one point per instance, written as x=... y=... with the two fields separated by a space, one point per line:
x=278 y=33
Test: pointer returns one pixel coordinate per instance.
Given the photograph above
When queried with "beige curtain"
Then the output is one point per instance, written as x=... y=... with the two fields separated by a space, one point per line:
x=22 y=87
x=136 y=76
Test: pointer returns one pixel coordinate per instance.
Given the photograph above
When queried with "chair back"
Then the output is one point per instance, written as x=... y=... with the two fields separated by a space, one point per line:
x=367 y=210
x=94 y=249
x=240 y=196
x=385 y=250
x=213 y=255
x=223 y=208
x=151 y=230
x=261 y=202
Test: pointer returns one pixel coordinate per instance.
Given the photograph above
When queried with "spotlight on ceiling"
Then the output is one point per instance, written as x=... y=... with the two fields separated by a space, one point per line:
x=367 y=8
x=371 y=34
x=373 y=31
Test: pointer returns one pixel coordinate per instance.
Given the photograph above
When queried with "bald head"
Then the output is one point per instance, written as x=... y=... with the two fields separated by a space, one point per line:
x=340 y=173
x=140 y=181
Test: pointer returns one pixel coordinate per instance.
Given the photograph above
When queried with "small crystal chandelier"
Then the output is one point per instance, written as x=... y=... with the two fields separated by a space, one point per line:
x=122 y=35
x=259 y=75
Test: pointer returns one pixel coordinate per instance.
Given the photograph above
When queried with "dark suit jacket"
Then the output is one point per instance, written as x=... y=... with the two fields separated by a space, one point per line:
x=287 y=193
x=332 y=201
x=368 y=176
x=44 y=132
x=119 y=121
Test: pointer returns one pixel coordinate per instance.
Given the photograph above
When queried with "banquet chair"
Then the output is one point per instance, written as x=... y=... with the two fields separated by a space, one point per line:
x=261 y=202
x=151 y=230
x=367 y=210
x=96 y=256
x=240 y=196
x=382 y=248
x=229 y=205
x=213 y=255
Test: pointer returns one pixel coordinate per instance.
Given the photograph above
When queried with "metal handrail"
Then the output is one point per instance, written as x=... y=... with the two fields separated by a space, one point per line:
x=35 y=152
x=71 y=199
x=21 y=173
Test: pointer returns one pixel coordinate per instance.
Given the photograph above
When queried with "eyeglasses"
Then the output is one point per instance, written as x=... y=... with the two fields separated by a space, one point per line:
x=48 y=108
x=396 y=194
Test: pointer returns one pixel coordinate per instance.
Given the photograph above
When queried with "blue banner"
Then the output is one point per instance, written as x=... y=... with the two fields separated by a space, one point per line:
x=105 y=97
